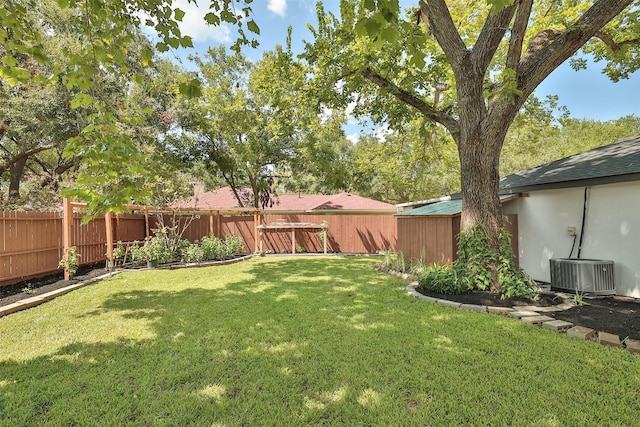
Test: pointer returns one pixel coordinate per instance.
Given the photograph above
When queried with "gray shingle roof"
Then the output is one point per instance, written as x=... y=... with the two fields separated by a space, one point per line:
x=616 y=162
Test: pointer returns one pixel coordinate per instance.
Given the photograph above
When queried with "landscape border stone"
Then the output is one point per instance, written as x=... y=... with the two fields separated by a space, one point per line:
x=40 y=299
x=531 y=314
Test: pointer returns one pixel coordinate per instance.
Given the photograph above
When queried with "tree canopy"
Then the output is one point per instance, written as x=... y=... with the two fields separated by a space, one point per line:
x=467 y=69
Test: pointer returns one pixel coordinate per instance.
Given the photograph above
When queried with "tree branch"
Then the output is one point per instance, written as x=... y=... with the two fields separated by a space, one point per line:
x=493 y=31
x=6 y=165
x=551 y=48
x=518 y=31
x=444 y=30
x=614 y=45
x=410 y=99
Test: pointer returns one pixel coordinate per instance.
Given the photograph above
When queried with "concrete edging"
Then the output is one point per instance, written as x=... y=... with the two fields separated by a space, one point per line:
x=535 y=316
x=41 y=299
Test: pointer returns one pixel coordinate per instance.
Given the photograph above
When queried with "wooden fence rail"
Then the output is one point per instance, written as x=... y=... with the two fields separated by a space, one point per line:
x=32 y=243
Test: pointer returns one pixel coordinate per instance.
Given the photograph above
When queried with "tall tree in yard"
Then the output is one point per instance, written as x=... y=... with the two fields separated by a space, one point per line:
x=467 y=68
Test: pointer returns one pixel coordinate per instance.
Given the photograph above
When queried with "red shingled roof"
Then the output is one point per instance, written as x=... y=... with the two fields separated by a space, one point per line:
x=223 y=198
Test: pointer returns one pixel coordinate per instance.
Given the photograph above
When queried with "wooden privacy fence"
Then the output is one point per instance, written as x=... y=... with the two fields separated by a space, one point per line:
x=348 y=233
x=32 y=243
x=434 y=239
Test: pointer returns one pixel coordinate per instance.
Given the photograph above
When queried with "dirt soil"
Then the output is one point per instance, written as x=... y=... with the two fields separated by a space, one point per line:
x=34 y=287
x=615 y=315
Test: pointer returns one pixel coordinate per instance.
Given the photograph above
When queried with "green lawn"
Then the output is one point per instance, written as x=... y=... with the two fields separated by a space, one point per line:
x=296 y=341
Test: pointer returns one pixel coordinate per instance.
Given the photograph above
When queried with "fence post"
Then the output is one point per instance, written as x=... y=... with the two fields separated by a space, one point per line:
x=67 y=233
x=147 y=232
x=255 y=231
x=109 y=230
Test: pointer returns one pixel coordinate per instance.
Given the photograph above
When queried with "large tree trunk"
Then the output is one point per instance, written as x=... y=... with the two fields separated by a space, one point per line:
x=15 y=176
x=480 y=180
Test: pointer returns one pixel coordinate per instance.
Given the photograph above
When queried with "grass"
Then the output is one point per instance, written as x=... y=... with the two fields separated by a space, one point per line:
x=295 y=341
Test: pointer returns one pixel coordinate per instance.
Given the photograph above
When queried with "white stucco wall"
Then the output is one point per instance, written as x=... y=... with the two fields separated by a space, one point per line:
x=612 y=230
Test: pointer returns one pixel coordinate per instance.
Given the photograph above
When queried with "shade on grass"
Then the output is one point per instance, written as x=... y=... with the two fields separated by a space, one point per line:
x=295 y=341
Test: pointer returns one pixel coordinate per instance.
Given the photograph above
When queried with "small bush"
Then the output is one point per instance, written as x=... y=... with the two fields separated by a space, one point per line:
x=442 y=279
x=394 y=260
x=234 y=245
x=213 y=247
x=194 y=253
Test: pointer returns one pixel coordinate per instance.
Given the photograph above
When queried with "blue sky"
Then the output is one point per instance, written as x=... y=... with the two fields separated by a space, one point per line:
x=587 y=93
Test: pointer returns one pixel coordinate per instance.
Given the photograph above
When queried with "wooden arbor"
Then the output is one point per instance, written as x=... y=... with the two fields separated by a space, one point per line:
x=293 y=226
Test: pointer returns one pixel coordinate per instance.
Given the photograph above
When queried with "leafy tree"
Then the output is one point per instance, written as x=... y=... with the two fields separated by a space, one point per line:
x=252 y=128
x=107 y=32
x=469 y=69
x=323 y=162
x=400 y=166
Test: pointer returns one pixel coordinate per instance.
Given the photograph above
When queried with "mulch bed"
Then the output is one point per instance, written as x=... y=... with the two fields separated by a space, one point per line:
x=615 y=315
x=38 y=286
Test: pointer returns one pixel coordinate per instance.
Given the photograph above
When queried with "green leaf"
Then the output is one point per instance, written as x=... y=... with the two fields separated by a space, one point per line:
x=162 y=47
x=373 y=27
x=212 y=18
x=186 y=41
x=179 y=14
x=81 y=100
x=192 y=89
x=253 y=27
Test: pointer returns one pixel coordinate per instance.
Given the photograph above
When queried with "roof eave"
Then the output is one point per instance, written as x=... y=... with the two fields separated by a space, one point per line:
x=572 y=184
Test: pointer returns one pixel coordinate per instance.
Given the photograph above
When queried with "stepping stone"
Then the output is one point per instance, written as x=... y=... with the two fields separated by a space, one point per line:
x=518 y=314
x=582 y=333
x=559 y=326
x=611 y=340
x=499 y=310
x=536 y=320
x=527 y=308
x=632 y=345
x=473 y=307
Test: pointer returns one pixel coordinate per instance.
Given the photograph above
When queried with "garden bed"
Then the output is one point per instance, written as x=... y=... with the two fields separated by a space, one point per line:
x=615 y=315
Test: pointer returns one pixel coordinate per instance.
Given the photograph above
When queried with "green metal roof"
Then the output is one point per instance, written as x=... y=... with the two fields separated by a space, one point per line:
x=446 y=208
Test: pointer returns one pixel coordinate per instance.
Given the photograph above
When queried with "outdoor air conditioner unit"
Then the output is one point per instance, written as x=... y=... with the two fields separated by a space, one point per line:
x=592 y=276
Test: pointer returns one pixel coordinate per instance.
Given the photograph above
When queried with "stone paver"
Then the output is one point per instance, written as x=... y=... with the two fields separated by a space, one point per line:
x=536 y=320
x=518 y=314
x=632 y=345
x=611 y=340
x=582 y=333
x=499 y=310
x=558 y=325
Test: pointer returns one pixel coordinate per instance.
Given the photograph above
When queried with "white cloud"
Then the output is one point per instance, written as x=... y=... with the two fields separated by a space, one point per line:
x=353 y=137
x=194 y=25
x=279 y=7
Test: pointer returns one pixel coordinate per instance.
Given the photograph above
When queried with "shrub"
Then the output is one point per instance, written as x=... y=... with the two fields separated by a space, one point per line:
x=70 y=260
x=234 y=245
x=442 y=279
x=213 y=247
x=475 y=260
x=194 y=253
x=394 y=260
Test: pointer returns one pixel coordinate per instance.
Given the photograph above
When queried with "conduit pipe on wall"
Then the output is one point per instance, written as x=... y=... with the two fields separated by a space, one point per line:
x=584 y=216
